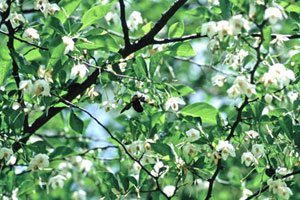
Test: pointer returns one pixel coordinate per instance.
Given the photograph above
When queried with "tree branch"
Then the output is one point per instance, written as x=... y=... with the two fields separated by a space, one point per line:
x=124 y=24
x=149 y=37
x=119 y=142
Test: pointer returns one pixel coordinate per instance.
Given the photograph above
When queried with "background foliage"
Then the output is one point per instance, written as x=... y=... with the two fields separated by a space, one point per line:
x=199 y=89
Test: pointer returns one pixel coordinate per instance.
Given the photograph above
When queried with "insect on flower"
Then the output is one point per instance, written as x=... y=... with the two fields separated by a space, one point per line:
x=135 y=103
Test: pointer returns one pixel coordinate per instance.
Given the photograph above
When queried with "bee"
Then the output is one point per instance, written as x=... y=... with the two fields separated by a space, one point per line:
x=135 y=103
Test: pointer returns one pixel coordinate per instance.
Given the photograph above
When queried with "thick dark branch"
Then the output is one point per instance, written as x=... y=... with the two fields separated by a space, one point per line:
x=124 y=24
x=149 y=37
x=180 y=39
x=73 y=93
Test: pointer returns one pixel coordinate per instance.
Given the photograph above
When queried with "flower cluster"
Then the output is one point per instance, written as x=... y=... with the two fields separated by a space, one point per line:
x=173 y=103
x=278 y=74
x=31 y=34
x=45 y=7
x=280 y=188
x=5 y=154
x=40 y=161
x=39 y=87
x=134 y=20
x=3 y=5
x=240 y=87
x=79 y=70
x=57 y=181
x=231 y=27
x=15 y=19
x=226 y=149
x=69 y=44
x=273 y=14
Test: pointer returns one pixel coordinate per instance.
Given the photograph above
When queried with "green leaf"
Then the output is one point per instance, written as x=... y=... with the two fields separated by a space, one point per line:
x=76 y=123
x=286 y=125
x=147 y=27
x=38 y=147
x=181 y=49
x=94 y=14
x=154 y=62
x=56 y=25
x=225 y=6
x=61 y=151
x=5 y=60
x=207 y=112
x=141 y=62
x=267 y=36
x=69 y=6
x=139 y=69
x=105 y=42
x=176 y=30
x=162 y=149
x=56 y=55
x=180 y=90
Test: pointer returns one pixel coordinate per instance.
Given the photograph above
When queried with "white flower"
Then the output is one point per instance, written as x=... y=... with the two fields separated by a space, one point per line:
x=268 y=98
x=169 y=190
x=40 y=161
x=233 y=92
x=41 y=87
x=122 y=66
x=85 y=165
x=79 y=195
x=156 y=169
x=223 y=29
x=57 y=181
x=80 y=70
x=280 y=39
x=258 y=150
x=5 y=153
x=218 y=80
x=31 y=110
x=251 y=90
x=3 y=5
x=284 y=171
x=112 y=15
x=134 y=20
x=241 y=86
x=190 y=150
x=136 y=147
x=40 y=4
x=273 y=14
x=31 y=34
x=192 y=135
x=251 y=134
x=69 y=43
x=252 y=10
x=147 y=159
x=278 y=73
x=52 y=8
x=91 y=93
x=173 y=103
x=209 y=29
x=275 y=185
x=246 y=193
x=241 y=82
x=226 y=149
x=45 y=74
x=15 y=19
x=237 y=23
x=284 y=192
x=27 y=86
x=248 y=158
